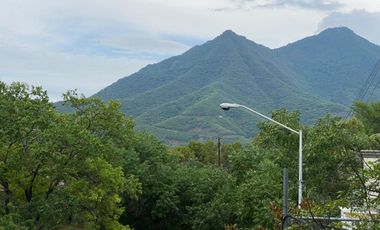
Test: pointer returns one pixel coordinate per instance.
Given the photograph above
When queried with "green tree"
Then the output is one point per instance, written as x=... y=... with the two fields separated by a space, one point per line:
x=281 y=145
x=331 y=155
x=177 y=193
x=260 y=190
x=206 y=152
x=369 y=114
x=61 y=170
x=203 y=152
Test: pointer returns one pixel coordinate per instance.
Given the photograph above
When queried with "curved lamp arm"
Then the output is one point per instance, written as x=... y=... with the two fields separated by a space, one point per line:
x=227 y=106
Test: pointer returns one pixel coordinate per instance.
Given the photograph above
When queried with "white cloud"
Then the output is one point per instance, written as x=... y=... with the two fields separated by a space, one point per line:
x=324 y=5
x=368 y=5
x=145 y=44
x=59 y=72
x=88 y=44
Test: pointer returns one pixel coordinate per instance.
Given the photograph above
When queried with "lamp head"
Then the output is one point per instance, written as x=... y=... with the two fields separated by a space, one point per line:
x=227 y=106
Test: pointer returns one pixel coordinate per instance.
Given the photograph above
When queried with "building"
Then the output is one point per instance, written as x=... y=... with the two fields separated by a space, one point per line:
x=368 y=157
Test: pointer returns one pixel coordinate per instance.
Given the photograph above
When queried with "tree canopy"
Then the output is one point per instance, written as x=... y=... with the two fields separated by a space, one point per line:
x=89 y=169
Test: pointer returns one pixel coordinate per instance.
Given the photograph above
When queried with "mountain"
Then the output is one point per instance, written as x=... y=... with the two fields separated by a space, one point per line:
x=177 y=99
x=335 y=63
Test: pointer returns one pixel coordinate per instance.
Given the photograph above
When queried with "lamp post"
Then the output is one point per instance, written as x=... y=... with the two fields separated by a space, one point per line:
x=227 y=106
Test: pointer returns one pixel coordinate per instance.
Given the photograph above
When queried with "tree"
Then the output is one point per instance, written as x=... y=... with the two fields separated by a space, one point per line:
x=177 y=193
x=89 y=169
x=369 y=114
x=257 y=193
x=281 y=145
x=331 y=155
x=206 y=152
x=203 y=152
x=61 y=170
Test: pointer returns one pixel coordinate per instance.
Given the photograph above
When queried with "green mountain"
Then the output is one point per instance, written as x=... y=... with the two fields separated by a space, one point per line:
x=335 y=63
x=178 y=98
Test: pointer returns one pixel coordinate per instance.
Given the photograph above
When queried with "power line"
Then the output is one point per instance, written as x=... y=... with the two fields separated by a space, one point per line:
x=369 y=87
x=377 y=69
x=370 y=80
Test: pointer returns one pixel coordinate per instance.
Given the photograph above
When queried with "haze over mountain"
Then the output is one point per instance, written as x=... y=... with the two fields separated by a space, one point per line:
x=178 y=99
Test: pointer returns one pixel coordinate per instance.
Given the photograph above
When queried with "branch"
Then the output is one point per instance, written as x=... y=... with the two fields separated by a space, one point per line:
x=51 y=188
x=28 y=191
x=363 y=184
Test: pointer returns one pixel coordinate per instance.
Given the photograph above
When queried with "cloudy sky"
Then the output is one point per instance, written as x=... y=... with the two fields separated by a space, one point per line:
x=88 y=44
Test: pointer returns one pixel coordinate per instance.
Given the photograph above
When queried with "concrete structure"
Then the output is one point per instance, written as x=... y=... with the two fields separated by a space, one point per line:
x=368 y=157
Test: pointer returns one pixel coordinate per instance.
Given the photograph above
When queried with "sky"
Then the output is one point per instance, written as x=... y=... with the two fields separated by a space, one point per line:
x=89 y=44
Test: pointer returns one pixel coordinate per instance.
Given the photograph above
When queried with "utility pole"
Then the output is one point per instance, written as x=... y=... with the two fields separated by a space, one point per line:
x=218 y=151
x=285 y=200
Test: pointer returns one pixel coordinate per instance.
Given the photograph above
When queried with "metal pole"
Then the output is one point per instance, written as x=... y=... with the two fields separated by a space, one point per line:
x=333 y=219
x=219 y=150
x=299 y=149
x=285 y=199
x=227 y=106
x=300 y=170
x=268 y=118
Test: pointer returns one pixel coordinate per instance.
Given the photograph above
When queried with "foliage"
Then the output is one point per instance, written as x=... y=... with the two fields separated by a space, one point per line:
x=369 y=115
x=206 y=152
x=334 y=144
x=335 y=63
x=261 y=188
x=176 y=194
x=363 y=197
x=89 y=169
x=60 y=170
x=177 y=99
x=197 y=151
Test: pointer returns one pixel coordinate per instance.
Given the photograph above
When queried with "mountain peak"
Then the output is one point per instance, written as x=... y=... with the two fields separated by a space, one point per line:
x=329 y=38
x=230 y=34
x=337 y=30
x=177 y=99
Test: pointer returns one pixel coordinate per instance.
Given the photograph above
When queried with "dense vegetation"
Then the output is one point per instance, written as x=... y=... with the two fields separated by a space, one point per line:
x=91 y=170
x=177 y=99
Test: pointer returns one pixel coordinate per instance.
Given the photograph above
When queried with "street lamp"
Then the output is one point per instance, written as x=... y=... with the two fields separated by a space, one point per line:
x=227 y=106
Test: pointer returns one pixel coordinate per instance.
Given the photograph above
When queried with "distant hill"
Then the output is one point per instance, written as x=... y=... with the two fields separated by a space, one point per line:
x=177 y=99
x=335 y=63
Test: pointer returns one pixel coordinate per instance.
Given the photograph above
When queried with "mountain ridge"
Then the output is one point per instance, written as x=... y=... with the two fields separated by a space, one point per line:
x=342 y=55
x=177 y=99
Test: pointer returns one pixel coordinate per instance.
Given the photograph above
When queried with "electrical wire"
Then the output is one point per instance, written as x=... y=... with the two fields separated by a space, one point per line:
x=369 y=87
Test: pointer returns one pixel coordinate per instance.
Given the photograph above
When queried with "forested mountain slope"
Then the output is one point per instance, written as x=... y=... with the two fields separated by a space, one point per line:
x=177 y=99
x=334 y=63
